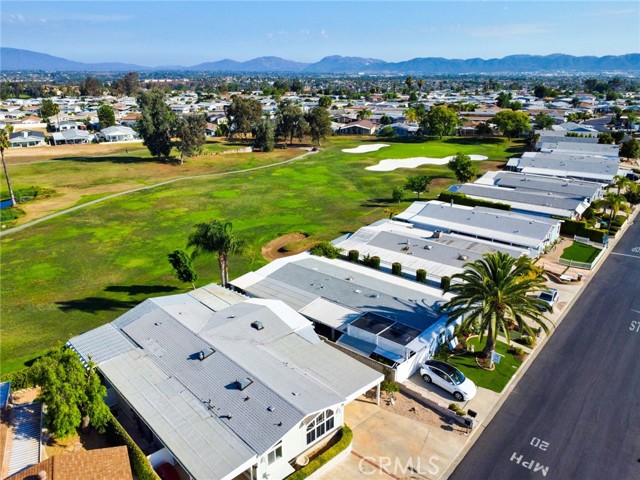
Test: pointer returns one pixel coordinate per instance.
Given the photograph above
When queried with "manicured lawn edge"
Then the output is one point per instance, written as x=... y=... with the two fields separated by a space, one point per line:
x=580 y=252
x=322 y=459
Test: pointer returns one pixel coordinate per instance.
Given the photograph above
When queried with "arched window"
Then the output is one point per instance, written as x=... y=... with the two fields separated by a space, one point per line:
x=323 y=423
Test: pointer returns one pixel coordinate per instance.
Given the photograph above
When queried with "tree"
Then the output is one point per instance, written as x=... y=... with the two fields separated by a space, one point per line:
x=73 y=394
x=618 y=135
x=243 y=115
x=106 y=116
x=182 y=267
x=216 y=237
x=420 y=84
x=605 y=138
x=385 y=119
x=495 y=292
x=397 y=194
x=290 y=122
x=613 y=202
x=515 y=105
x=190 y=131
x=386 y=132
x=409 y=82
x=325 y=102
x=620 y=182
x=544 y=121
x=48 y=109
x=440 y=121
x=364 y=114
x=5 y=143
x=325 y=249
x=504 y=100
x=91 y=86
x=512 y=123
x=319 y=123
x=484 y=129
x=463 y=167
x=129 y=84
x=156 y=123
x=418 y=184
x=264 y=135
x=630 y=149
x=411 y=115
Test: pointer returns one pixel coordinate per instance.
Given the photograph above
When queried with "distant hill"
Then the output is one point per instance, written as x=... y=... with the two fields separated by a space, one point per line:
x=16 y=59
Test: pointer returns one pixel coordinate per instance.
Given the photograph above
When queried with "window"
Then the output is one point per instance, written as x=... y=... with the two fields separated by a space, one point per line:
x=275 y=454
x=320 y=425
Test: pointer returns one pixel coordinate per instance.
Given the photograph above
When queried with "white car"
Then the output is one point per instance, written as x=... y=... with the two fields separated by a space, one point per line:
x=450 y=378
x=550 y=297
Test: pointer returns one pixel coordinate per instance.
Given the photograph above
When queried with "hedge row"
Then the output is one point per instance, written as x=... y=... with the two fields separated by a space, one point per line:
x=580 y=228
x=323 y=458
x=140 y=465
x=20 y=379
x=462 y=199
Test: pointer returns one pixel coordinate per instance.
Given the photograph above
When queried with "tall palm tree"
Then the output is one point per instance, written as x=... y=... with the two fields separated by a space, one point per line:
x=409 y=82
x=620 y=182
x=216 y=237
x=420 y=84
x=494 y=291
x=5 y=142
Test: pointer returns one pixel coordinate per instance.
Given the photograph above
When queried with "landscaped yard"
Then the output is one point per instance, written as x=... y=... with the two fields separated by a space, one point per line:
x=494 y=380
x=580 y=252
x=75 y=272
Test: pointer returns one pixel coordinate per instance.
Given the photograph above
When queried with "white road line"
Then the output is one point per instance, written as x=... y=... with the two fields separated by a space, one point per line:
x=625 y=255
x=635 y=311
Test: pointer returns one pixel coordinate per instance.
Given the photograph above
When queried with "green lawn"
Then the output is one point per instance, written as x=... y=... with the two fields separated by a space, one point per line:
x=580 y=252
x=75 y=272
x=494 y=380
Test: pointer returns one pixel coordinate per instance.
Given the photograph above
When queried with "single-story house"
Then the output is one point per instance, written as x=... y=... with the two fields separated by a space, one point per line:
x=67 y=137
x=529 y=232
x=225 y=386
x=580 y=167
x=27 y=138
x=359 y=127
x=402 y=129
x=392 y=320
x=439 y=254
x=560 y=145
x=119 y=133
x=69 y=125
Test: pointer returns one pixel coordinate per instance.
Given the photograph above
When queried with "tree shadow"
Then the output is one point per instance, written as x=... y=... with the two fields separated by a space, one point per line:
x=95 y=304
x=378 y=202
x=121 y=160
x=474 y=140
x=140 y=289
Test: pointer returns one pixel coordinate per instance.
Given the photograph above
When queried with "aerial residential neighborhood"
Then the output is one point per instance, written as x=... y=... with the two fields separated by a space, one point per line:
x=408 y=255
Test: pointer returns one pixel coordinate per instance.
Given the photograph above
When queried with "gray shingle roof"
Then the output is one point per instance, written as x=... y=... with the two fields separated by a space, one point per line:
x=565 y=186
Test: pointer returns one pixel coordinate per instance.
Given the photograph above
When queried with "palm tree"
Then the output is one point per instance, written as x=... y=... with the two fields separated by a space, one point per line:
x=409 y=82
x=494 y=292
x=620 y=182
x=420 y=85
x=216 y=237
x=614 y=202
x=5 y=142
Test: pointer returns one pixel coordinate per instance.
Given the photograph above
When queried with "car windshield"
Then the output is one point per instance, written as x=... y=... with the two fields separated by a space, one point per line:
x=546 y=296
x=457 y=377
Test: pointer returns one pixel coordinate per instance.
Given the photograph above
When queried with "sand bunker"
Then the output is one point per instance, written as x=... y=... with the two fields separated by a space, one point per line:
x=392 y=164
x=365 y=148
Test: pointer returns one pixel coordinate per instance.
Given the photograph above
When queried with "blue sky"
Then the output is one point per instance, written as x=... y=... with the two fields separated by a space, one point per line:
x=186 y=33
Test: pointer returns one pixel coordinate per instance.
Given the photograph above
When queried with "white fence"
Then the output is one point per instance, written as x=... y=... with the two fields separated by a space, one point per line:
x=585 y=265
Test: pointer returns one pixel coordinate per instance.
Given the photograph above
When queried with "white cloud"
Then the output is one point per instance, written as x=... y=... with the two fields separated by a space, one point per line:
x=17 y=18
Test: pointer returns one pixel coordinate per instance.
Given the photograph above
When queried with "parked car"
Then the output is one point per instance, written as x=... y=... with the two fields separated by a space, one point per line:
x=550 y=297
x=634 y=177
x=449 y=378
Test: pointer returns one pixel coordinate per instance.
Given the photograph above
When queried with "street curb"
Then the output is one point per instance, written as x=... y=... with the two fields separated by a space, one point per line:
x=475 y=433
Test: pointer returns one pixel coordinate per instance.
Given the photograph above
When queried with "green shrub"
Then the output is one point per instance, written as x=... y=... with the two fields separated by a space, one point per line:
x=454 y=407
x=596 y=235
x=323 y=458
x=8 y=215
x=140 y=465
x=527 y=340
x=445 y=283
x=31 y=193
x=421 y=275
x=396 y=268
x=20 y=379
x=462 y=199
x=389 y=387
x=325 y=249
x=517 y=351
x=375 y=262
x=353 y=256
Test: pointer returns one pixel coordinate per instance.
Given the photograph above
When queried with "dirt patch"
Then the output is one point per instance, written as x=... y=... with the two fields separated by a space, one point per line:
x=407 y=407
x=27 y=395
x=275 y=248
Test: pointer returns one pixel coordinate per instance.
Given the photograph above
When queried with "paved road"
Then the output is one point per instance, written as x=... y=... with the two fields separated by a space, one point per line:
x=148 y=187
x=575 y=414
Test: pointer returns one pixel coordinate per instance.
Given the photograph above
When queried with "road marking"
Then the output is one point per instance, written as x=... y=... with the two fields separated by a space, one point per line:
x=635 y=311
x=625 y=255
x=529 y=464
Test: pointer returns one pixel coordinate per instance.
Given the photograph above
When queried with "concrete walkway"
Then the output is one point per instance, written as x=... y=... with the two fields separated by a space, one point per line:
x=149 y=187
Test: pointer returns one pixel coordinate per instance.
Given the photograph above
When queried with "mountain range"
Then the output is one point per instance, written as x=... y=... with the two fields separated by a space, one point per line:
x=12 y=59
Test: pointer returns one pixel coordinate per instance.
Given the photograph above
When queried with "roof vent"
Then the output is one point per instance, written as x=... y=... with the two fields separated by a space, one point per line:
x=243 y=383
x=428 y=247
x=463 y=257
x=270 y=408
x=205 y=353
x=257 y=325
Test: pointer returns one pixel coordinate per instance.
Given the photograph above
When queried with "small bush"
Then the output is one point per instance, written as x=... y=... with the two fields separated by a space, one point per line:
x=11 y=214
x=20 y=379
x=353 y=256
x=421 y=275
x=375 y=262
x=443 y=353
x=325 y=249
x=517 y=351
x=389 y=387
x=527 y=340
x=445 y=283
x=396 y=269
x=323 y=458
x=140 y=465
x=454 y=407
